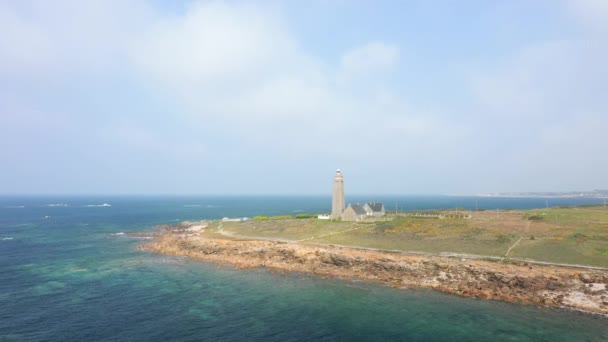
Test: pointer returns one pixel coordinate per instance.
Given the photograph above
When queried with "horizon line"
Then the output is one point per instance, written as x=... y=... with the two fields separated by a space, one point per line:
x=494 y=194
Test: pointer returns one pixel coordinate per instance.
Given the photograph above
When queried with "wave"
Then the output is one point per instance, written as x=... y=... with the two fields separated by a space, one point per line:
x=99 y=205
x=192 y=205
x=119 y=233
x=6 y=238
x=57 y=205
x=14 y=206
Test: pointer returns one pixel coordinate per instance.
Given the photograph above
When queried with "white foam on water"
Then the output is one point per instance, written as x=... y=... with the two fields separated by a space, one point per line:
x=99 y=205
x=14 y=206
x=192 y=205
x=119 y=233
x=6 y=238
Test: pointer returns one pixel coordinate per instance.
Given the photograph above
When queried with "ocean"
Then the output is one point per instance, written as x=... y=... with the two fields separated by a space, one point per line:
x=69 y=272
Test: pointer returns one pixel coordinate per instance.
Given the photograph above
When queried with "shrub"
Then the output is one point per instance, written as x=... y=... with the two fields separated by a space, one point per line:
x=304 y=216
x=503 y=238
x=382 y=228
x=260 y=218
x=281 y=217
x=579 y=237
x=535 y=217
x=602 y=250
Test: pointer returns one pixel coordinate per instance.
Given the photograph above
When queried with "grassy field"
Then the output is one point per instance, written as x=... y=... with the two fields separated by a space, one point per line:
x=576 y=235
x=290 y=229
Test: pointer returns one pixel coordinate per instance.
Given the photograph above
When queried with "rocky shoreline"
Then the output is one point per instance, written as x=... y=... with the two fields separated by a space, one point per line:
x=542 y=285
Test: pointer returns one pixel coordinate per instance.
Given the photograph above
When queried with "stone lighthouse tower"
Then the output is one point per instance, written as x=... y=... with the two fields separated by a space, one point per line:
x=337 y=205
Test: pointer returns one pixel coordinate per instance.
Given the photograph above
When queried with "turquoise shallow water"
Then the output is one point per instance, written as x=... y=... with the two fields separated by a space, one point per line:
x=68 y=274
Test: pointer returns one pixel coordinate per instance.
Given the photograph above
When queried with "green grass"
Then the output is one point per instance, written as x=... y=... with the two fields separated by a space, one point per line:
x=291 y=229
x=562 y=235
x=367 y=237
x=592 y=253
x=588 y=217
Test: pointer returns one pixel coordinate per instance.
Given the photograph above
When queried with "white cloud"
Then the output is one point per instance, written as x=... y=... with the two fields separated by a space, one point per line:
x=239 y=68
x=38 y=37
x=213 y=42
x=538 y=81
x=371 y=57
x=236 y=72
x=542 y=109
x=137 y=139
x=592 y=14
x=22 y=44
x=567 y=155
x=231 y=63
x=234 y=67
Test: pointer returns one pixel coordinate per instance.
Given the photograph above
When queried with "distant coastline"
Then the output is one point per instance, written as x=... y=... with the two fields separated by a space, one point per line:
x=600 y=194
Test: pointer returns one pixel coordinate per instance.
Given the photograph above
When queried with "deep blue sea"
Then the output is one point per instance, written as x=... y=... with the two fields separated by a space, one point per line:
x=68 y=273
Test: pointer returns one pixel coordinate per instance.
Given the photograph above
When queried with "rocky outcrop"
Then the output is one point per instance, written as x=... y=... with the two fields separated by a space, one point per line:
x=525 y=283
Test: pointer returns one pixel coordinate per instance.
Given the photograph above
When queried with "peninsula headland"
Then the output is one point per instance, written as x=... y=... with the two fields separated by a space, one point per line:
x=469 y=254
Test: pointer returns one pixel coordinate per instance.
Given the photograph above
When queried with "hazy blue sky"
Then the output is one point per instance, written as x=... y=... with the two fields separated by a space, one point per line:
x=228 y=97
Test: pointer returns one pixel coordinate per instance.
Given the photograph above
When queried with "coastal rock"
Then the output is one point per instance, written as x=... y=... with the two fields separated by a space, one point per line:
x=585 y=278
x=552 y=286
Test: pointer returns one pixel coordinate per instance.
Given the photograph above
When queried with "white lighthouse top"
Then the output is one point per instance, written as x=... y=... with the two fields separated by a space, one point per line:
x=338 y=171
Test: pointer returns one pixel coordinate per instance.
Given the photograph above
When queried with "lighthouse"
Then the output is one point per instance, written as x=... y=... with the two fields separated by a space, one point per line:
x=337 y=205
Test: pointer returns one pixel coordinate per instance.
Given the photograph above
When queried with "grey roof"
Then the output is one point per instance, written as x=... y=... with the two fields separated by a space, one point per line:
x=376 y=206
x=358 y=209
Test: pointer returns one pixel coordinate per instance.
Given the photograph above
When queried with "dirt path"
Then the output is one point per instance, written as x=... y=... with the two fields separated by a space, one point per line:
x=510 y=248
x=513 y=246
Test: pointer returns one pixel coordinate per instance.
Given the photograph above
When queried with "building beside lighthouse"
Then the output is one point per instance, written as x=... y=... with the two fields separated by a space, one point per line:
x=354 y=212
x=338 y=202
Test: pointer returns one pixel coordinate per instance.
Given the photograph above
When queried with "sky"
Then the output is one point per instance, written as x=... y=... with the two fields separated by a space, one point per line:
x=271 y=97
